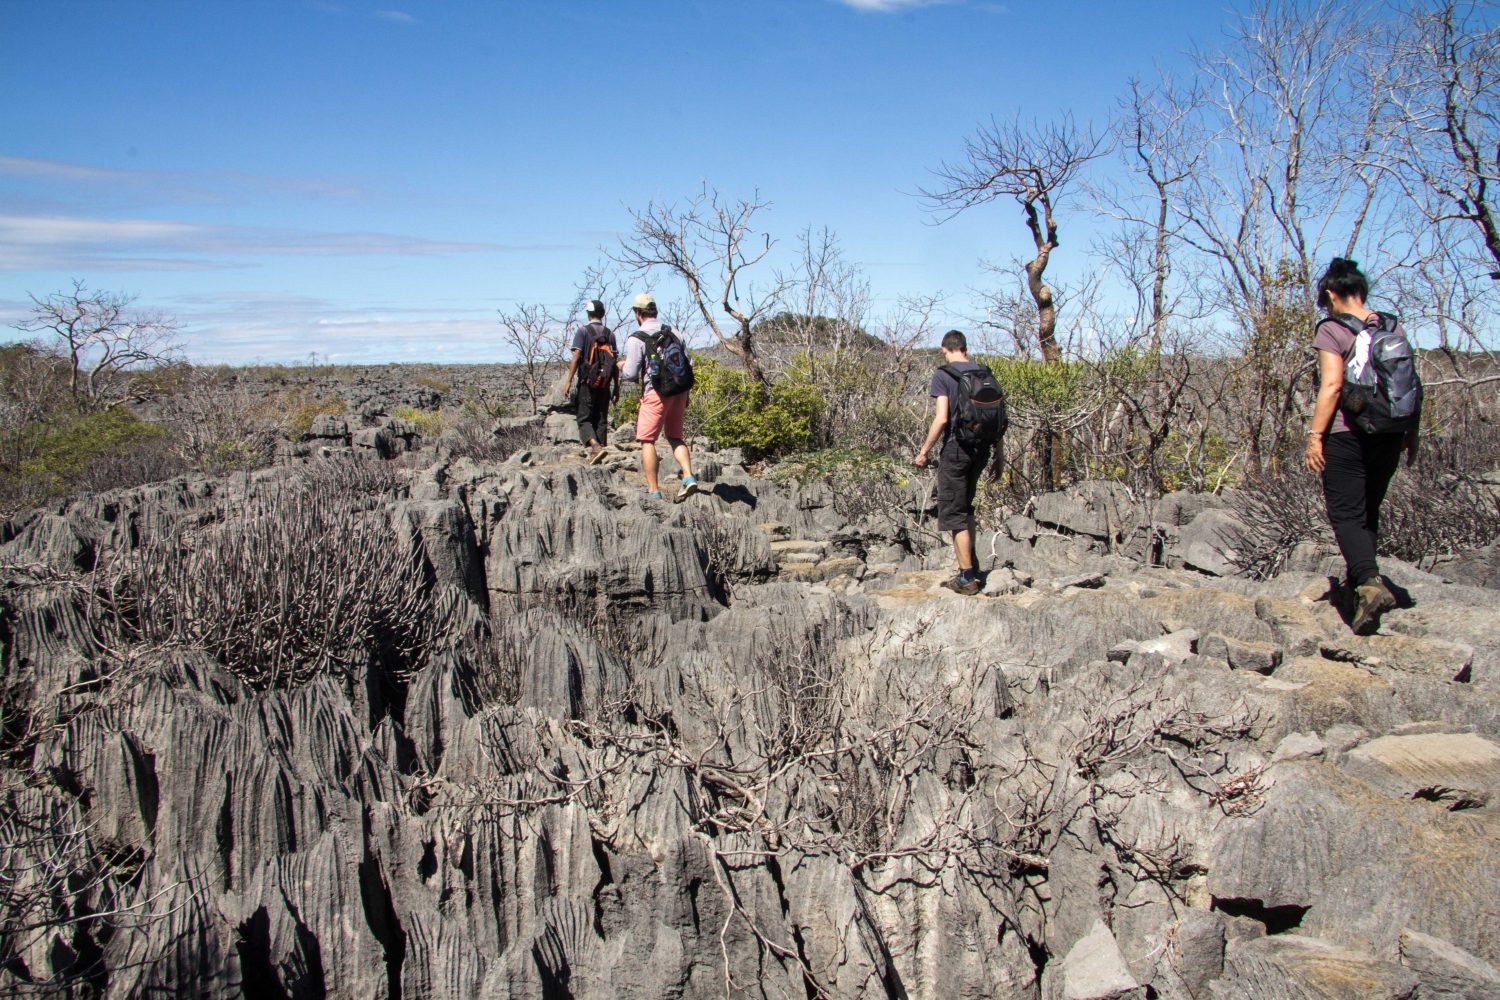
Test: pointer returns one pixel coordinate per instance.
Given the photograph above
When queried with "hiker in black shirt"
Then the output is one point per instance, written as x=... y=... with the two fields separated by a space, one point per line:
x=958 y=468
x=593 y=403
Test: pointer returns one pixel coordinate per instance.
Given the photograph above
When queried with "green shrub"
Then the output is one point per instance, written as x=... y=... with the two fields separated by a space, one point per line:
x=64 y=447
x=626 y=410
x=429 y=423
x=732 y=411
x=429 y=382
x=838 y=466
x=301 y=410
x=1040 y=386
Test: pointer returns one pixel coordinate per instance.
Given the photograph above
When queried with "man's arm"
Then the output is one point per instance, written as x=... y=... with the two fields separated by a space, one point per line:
x=635 y=351
x=934 y=432
x=572 y=369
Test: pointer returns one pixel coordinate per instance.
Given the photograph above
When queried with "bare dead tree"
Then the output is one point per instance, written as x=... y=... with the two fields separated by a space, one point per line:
x=826 y=301
x=1278 y=182
x=1034 y=164
x=1006 y=321
x=1157 y=133
x=1442 y=108
x=709 y=243
x=536 y=339
x=861 y=362
x=1440 y=117
x=103 y=337
x=602 y=281
x=1275 y=183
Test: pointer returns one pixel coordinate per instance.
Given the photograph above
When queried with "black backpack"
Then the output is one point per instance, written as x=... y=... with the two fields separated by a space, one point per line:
x=599 y=366
x=1382 y=393
x=667 y=363
x=978 y=416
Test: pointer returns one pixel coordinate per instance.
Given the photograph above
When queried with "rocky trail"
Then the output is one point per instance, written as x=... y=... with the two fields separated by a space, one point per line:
x=747 y=746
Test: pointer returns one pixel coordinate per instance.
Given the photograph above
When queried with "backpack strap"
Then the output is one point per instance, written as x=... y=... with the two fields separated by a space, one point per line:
x=1346 y=321
x=1383 y=321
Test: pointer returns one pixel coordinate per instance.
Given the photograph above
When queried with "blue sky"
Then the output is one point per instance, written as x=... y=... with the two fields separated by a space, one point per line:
x=371 y=181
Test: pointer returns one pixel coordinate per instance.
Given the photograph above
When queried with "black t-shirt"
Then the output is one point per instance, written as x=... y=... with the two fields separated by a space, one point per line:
x=946 y=385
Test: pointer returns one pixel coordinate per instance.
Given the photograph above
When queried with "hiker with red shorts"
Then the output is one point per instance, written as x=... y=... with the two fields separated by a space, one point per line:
x=656 y=357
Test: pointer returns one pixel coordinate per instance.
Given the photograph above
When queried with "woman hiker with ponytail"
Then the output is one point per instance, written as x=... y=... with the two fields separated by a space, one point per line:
x=1356 y=466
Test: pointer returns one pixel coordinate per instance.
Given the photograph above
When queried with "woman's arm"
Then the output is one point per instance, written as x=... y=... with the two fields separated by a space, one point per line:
x=1330 y=384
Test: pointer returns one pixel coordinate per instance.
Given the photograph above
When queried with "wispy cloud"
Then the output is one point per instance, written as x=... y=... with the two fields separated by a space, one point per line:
x=890 y=6
x=399 y=16
x=126 y=185
x=37 y=242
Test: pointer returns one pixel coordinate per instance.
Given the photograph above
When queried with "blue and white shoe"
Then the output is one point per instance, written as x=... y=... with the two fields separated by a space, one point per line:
x=689 y=487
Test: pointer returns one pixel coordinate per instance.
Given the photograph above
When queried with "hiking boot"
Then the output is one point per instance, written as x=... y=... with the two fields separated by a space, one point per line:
x=689 y=487
x=959 y=585
x=597 y=455
x=1373 y=598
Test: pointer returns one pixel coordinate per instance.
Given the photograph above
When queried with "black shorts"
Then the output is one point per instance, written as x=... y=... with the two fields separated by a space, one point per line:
x=957 y=482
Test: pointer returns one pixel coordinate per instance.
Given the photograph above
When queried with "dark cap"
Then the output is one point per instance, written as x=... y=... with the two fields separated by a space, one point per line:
x=594 y=308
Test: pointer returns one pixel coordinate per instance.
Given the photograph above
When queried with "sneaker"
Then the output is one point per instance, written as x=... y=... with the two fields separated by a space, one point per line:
x=689 y=487
x=654 y=495
x=1373 y=599
x=597 y=455
x=958 y=585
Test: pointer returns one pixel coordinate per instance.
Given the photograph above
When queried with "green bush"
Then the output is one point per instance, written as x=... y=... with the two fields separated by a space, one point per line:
x=1040 y=386
x=300 y=409
x=732 y=411
x=429 y=423
x=839 y=466
x=63 y=448
x=626 y=410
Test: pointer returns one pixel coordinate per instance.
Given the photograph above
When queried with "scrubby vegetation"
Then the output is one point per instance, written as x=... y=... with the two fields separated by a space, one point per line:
x=281 y=588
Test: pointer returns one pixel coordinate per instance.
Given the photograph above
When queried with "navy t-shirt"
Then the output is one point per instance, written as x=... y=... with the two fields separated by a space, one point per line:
x=585 y=336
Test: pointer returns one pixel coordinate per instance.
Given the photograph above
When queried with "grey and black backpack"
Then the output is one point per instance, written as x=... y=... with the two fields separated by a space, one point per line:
x=1382 y=392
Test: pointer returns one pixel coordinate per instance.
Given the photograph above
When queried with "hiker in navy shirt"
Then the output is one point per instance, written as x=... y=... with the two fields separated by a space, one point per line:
x=958 y=468
x=593 y=403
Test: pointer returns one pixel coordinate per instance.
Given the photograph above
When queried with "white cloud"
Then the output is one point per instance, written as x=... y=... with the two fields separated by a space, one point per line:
x=399 y=16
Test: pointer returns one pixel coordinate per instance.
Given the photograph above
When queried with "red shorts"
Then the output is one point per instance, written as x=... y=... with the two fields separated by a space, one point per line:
x=657 y=415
